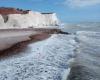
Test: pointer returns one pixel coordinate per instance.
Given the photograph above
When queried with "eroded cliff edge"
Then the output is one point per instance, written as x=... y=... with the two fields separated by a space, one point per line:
x=15 y=23
x=18 y=18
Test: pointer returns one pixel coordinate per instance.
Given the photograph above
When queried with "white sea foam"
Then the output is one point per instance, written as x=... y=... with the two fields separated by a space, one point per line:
x=44 y=60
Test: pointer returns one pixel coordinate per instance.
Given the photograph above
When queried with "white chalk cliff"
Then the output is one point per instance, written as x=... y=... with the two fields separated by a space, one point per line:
x=11 y=18
x=30 y=19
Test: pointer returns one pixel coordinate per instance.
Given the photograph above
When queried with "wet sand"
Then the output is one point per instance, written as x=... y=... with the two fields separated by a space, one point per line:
x=38 y=35
x=21 y=46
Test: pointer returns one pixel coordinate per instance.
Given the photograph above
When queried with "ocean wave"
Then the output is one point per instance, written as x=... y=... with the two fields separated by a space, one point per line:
x=86 y=65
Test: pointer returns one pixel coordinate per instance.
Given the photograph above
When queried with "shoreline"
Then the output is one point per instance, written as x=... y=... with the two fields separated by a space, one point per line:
x=9 y=37
x=20 y=46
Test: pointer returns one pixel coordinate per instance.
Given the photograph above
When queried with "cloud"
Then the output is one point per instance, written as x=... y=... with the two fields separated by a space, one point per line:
x=81 y=3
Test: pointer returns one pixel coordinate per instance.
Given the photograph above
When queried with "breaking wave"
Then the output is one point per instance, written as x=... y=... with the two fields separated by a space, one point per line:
x=45 y=60
x=86 y=64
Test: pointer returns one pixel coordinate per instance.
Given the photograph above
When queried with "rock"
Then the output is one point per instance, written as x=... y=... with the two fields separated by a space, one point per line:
x=18 y=18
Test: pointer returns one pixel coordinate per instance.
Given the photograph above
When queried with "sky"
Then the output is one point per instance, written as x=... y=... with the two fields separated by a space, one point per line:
x=67 y=10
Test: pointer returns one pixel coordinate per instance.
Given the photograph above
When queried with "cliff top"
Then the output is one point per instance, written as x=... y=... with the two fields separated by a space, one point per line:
x=8 y=10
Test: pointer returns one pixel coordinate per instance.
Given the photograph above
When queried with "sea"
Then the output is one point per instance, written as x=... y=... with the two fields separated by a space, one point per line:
x=73 y=56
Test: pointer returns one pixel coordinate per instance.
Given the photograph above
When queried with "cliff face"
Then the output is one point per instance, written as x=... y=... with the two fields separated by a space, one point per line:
x=17 y=18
